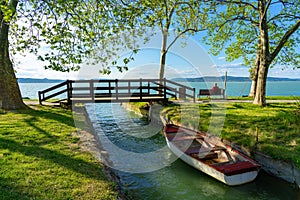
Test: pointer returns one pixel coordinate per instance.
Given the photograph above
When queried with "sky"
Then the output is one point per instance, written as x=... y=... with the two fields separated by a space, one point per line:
x=190 y=60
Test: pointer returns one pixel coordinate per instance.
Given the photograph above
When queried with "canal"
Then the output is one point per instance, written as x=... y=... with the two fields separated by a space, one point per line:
x=138 y=154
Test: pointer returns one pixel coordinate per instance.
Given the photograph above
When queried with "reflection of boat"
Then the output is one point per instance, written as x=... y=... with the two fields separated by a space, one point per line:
x=211 y=156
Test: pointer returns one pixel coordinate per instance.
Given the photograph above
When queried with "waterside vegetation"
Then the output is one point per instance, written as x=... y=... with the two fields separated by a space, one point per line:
x=41 y=157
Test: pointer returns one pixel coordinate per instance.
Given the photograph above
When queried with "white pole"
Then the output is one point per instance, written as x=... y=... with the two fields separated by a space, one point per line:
x=225 y=83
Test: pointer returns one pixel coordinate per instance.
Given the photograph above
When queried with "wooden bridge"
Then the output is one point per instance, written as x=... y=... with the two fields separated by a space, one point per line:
x=118 y=90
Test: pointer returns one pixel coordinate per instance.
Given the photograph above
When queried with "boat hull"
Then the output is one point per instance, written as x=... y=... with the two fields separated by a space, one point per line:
x=237 y=173
x=232 y=180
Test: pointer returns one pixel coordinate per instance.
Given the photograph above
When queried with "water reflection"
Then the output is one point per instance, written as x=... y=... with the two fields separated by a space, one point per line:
x=176 y=180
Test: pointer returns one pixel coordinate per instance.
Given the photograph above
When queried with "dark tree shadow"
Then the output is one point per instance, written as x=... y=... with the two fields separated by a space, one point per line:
x=87 y=169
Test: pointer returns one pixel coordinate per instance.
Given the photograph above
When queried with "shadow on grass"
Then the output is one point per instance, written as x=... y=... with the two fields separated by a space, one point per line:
x=29 y=131
x=53 y=115
x=43 y=121
x=90 y=170
x=9 y=191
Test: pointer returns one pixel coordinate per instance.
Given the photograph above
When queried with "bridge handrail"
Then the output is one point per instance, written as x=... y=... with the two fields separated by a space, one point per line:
x=42 y=93
x=180 y=85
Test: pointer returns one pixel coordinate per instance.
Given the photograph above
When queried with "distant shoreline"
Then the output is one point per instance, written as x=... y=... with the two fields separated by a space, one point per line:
x=199 y=79
x=36 y=80
x=229 y=79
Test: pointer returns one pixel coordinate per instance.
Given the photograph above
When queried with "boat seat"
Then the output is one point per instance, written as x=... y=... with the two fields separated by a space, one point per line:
x=204 y=155
x=207 y=155
x=187 y=137
x=218 y=148
x=192 y=150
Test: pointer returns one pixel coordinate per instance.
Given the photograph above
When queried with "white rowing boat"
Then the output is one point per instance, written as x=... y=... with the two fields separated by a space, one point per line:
x=213 y=158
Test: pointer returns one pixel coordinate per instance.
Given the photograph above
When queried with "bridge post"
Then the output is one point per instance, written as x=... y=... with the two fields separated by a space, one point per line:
x=116 y=88
x=141 y=89
x=92 y=90
x=165 y=89
x=69 y=91
x=109 y=86
x=40 y=97
x=194 y=94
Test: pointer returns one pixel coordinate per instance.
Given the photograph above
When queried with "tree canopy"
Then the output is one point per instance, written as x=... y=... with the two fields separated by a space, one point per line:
x=184 y=18
x=72 y=32
x=235 y=29
x=263 y=33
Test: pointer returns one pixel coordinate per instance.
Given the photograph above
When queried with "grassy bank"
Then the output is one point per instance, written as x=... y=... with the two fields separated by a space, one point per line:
x=41 y=158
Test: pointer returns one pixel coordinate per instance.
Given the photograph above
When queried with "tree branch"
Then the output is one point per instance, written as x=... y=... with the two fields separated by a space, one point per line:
x=243 y=18
x=285 y=39
x=237 y=3
x=285 y=16
x=264 y=15
x=179 y=35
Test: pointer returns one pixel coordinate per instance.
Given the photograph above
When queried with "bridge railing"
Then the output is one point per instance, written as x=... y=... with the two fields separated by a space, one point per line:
x=118 y=90
x=60 y=90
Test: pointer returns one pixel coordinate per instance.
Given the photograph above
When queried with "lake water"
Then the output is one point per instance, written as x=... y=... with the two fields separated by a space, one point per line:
x=274 y=88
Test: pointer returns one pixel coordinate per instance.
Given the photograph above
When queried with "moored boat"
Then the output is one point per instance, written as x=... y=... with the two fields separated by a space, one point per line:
x=211 y=156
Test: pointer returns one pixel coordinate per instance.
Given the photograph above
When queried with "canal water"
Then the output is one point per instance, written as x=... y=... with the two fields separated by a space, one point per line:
x=138 y=154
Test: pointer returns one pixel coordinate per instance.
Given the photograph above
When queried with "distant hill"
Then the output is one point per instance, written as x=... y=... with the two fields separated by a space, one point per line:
x=199 y=79
x=229 y=79
x=36 y=80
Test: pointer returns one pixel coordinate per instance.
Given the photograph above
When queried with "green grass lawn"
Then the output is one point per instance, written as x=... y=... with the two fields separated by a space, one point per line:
x=41 y=158
x=277 y=125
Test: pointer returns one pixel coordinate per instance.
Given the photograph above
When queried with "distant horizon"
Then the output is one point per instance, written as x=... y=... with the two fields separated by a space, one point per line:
x=25 y=79
x=237 y=76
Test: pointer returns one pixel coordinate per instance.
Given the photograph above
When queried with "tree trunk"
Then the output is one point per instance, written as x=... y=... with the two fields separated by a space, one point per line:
x=163 y=54
x=254 y=75
x=260 y=94
x=10 y=96
x=255 y=70
x=264 y=63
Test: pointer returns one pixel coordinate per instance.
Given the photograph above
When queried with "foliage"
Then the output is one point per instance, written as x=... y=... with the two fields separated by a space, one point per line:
x=234 y=26
x=64 y=34
x=41 y=158
x=173 y=18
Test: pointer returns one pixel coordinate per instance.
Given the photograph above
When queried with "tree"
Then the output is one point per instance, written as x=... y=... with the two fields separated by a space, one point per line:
x=262 y=32
x=71 y=31
x=9 y=90
x=184 y=17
